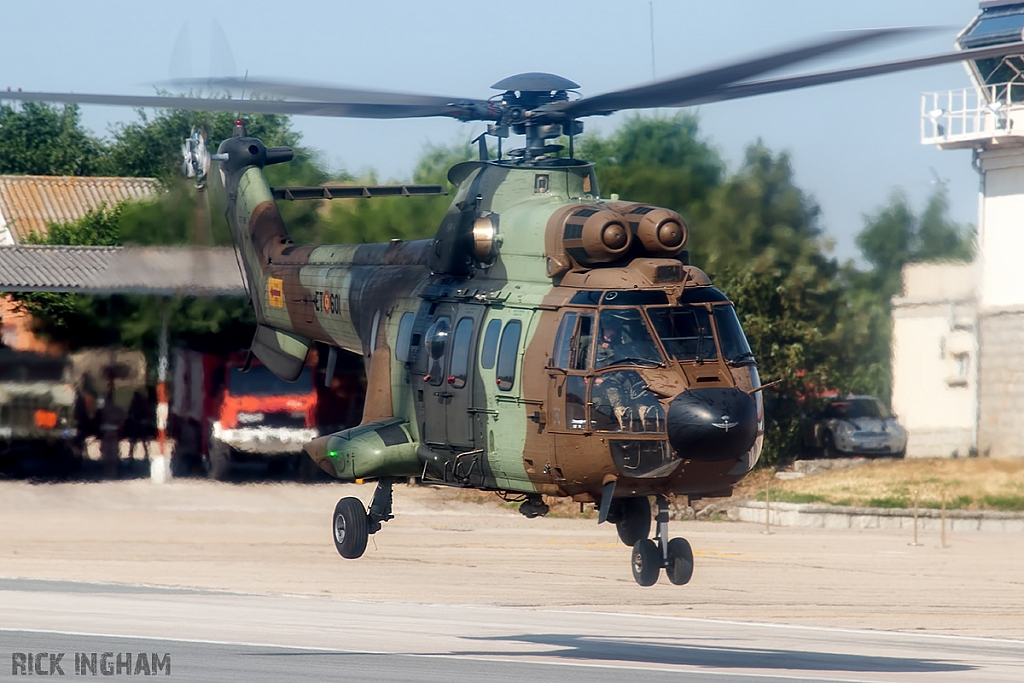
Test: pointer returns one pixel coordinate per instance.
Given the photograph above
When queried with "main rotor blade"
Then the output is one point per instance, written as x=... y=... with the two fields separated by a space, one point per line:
x=455 y=110
x=682 y=88
x=318 y=92
x=738 y=90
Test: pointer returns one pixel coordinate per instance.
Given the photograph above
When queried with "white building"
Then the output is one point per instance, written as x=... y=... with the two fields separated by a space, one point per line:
x=935 y=379
x=966 y=324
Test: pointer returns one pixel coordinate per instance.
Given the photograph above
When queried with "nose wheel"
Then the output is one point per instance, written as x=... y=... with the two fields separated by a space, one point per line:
x=353 y=524
x=675 y=556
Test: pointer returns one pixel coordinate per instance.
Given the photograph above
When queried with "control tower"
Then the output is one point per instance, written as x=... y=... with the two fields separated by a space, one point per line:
x=989 y=118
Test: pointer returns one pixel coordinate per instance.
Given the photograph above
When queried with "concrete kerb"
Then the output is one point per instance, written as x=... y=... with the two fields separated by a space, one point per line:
x=839 y=517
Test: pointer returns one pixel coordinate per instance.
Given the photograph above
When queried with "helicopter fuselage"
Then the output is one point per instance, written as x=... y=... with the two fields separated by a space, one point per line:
x=545 y=342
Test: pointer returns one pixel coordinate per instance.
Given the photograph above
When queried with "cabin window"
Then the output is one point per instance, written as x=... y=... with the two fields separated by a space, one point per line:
x=563 y=343
x=404 y=336
x=437 y=342
x=461 y=352
x=490 y=345
x=508 y=352
x=584 y=341
x=625 y=340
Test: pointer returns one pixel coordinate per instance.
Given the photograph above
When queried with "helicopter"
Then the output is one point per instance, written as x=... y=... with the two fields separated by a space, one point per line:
x=547 y=341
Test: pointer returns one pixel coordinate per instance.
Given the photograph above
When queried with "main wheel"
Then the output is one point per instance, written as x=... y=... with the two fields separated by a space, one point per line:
x=680 y=561
x=220 y=460
x=350 y=531
x=634 y=520
x=646 y=562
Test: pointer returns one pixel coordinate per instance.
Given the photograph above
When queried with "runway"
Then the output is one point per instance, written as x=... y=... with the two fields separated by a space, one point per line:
x=229 y=636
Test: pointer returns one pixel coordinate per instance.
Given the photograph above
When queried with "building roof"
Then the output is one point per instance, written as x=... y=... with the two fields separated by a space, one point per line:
x=29 y=203
x=162 y=271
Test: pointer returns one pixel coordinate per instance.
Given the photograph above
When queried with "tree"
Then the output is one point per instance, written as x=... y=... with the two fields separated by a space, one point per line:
x=660 y=160
x=40 y=139
x=893 y=237
x=758 y=234
x=356 y=221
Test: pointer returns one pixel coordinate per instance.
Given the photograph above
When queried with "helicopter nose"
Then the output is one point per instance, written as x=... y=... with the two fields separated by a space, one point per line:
x=712 y=424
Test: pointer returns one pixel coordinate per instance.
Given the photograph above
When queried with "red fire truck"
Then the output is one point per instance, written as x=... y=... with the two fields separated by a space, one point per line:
x=222 y=414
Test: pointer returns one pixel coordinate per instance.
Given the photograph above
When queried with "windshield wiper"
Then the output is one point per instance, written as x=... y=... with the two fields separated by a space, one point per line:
x=635 y=361
x=743 y=359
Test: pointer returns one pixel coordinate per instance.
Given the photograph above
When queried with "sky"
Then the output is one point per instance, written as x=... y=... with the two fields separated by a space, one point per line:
x=852 y=144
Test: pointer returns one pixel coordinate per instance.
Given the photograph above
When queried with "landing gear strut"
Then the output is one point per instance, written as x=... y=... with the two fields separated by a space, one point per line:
x=353 y=524
x=675 y=556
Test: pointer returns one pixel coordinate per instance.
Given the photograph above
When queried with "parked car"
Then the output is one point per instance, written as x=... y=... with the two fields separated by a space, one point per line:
x=855 y=425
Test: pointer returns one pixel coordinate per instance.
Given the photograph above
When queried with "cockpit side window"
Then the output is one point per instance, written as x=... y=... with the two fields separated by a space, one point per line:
x=735 y=348
x=563 y=343
x=625 y=340
x=583 y=343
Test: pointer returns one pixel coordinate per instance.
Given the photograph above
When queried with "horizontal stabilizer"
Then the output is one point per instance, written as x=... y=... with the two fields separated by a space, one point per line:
x=284 y=353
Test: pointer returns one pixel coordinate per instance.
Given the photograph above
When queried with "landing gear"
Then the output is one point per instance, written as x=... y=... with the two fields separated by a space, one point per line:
x=649 y=557
x=646 y=562
x=350 y=531
x=353 y=524
x=534 y=506
x=679 y=563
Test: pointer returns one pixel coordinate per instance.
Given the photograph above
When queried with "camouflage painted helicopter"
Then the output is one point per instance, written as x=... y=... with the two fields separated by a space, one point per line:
x=546 y=341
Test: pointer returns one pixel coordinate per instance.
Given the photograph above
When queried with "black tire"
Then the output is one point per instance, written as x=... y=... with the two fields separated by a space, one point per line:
x=680 y=562
x=349 y=528
x=220 y=460
x=829 y=449
x=634 y=523
x=646 y=562
x=181 y=464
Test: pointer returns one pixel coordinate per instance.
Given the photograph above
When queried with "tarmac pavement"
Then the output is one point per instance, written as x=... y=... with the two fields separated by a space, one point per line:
x=245 y=574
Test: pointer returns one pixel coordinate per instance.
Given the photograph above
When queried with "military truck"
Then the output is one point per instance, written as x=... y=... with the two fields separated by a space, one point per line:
x=38 y=431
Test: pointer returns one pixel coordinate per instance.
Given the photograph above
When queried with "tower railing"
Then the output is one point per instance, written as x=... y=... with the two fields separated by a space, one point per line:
x=969 y=115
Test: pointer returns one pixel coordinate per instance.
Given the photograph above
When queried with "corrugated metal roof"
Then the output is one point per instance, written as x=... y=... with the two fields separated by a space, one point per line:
x=29 y=203
x=166 y=271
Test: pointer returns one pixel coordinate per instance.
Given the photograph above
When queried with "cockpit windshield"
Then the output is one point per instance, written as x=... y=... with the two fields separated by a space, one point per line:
x=685 y=331
x=687 y=335
x=625 y=340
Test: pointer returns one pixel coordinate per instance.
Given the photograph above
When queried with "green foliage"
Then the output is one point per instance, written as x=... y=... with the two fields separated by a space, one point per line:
x=355 y=221
x=893 y=237
x=758 y=213
x=659 y=160
x=896 y=236
x=96 y=228
x=891 y=502
x=782 y=496
x=151 y=146
x=40 y=139
x=1008 y=503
